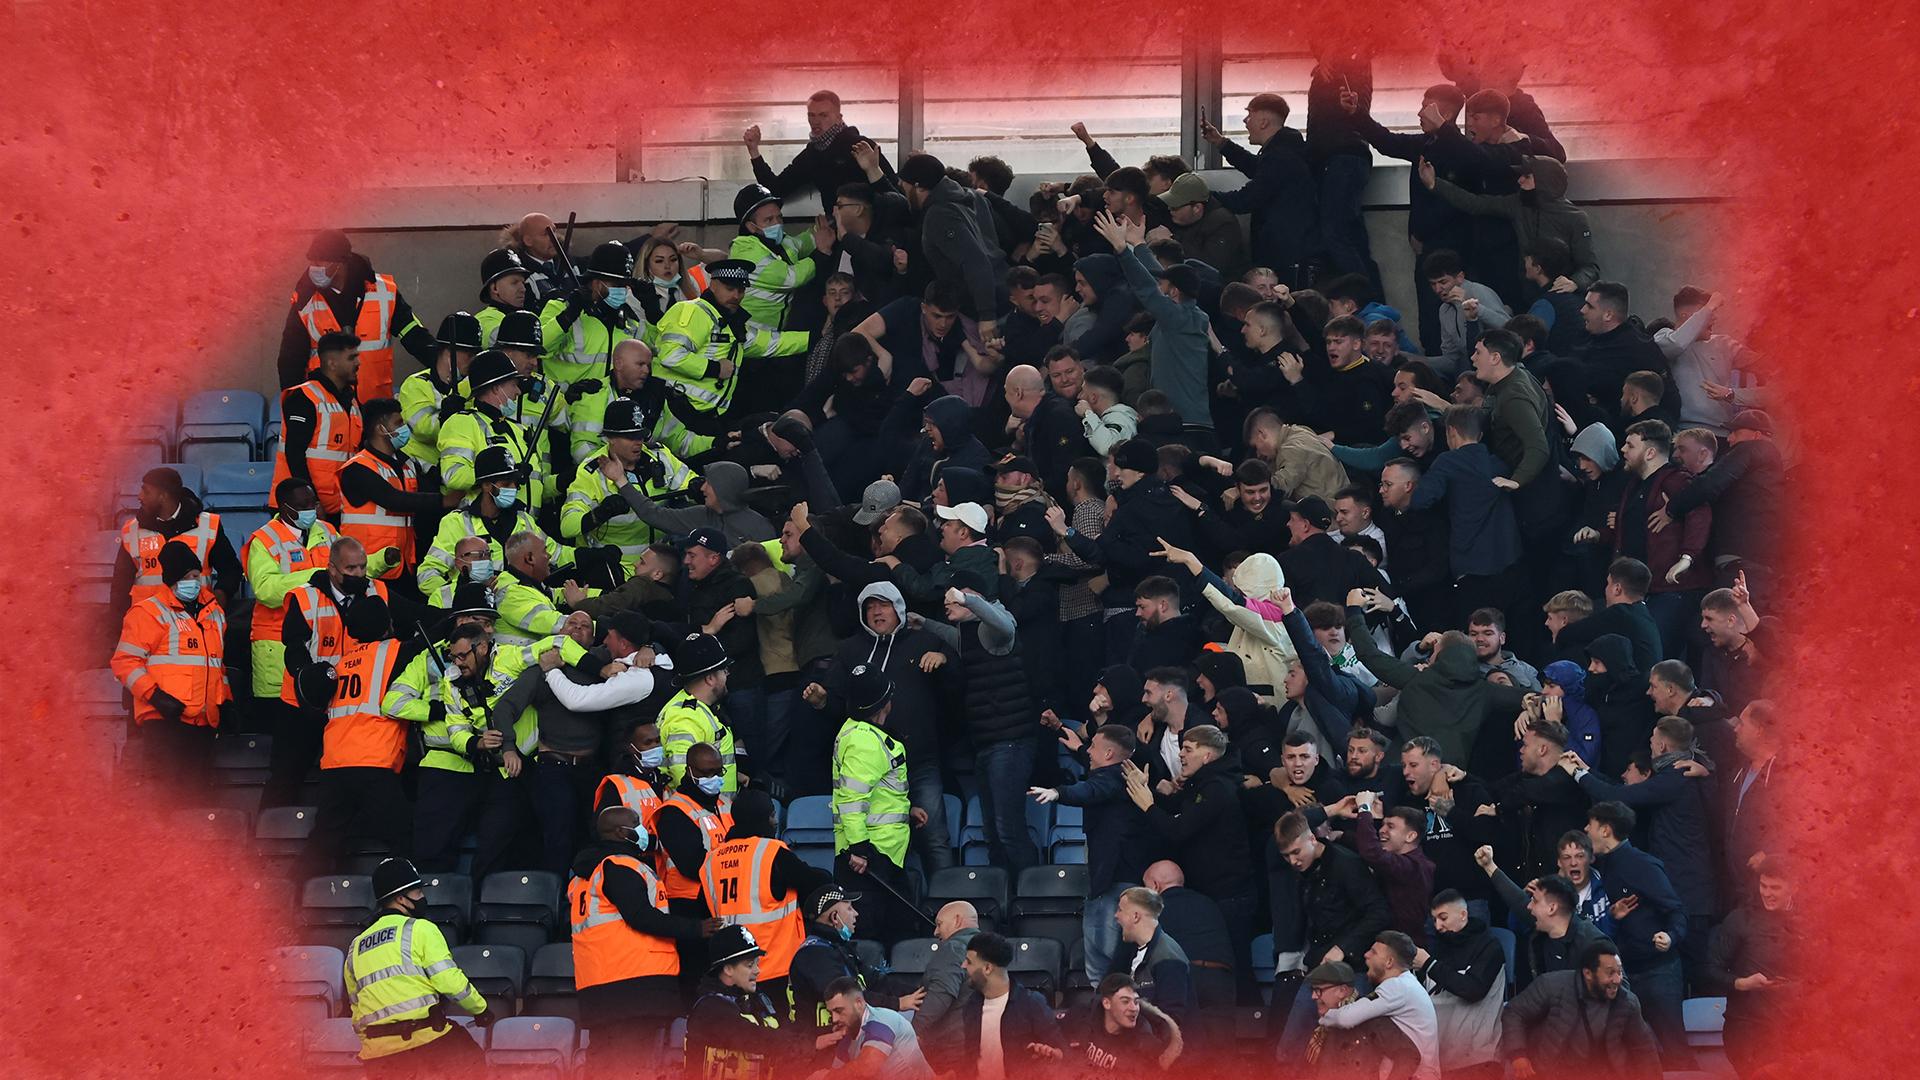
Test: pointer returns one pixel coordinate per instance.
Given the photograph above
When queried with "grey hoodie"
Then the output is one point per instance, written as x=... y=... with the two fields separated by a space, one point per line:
x=735 y=519
x=1595 y=443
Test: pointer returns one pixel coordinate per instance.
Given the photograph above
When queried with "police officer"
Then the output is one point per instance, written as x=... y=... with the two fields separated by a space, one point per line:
x=827 y=955
x=626 y=952
x=399 y=976
x=581 y=330
x=494 y=512
x=411 y=693
x=781 y=264
x=871 y=809
x=629 y=377
x=595 y=512
x=487 y=421
x=430 y=396
x=755 y=881
x=503 y=290
x=734 y=1031
x=692 y=714
x=520 y=339
x=701 y=345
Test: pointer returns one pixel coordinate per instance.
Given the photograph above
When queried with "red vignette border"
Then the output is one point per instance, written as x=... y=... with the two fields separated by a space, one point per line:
x=156 y=155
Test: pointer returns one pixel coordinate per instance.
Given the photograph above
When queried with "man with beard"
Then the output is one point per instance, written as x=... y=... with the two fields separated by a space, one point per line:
x=1398 y=996
x=1539 y=804
x=1569 y=1023
x=1370 y=769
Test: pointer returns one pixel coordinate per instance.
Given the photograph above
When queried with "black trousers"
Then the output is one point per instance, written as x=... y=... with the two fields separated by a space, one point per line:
x=629 y=1020
x=452 y=1054
x=449 y=800
x=170 y=759
x=359 y=804
x=296 y=749
x=562 y=798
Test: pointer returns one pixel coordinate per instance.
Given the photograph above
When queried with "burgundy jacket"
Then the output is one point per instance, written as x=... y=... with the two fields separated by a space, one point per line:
x=1686 y=536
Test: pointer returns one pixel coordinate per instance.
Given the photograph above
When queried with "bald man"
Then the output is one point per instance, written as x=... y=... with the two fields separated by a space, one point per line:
x=1044 y=427
x=1191 y=918
x=528 y=237
x=946 y=984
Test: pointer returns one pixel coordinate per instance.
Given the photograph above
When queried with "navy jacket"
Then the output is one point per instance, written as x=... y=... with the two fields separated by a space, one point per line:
x=1678 y=813
x=1281 y=196
x=1628 y=871
x=1115 y=850
x=1483 y=534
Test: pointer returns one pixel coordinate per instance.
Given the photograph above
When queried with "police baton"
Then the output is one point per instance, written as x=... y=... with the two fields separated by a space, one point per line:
x=895 y=893
x=562 y=258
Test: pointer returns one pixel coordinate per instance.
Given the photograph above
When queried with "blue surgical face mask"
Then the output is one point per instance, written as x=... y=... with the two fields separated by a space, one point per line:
x=319 y=276
x=401 y=436
x=639 y=838
x=505 y=498
x=710 y=785
x=846 y=932
x=617 y=296
x=304 y=519
x=667 y=283
x=775 y=232
x=187 y=589
x=654 y=758
x=481 y=571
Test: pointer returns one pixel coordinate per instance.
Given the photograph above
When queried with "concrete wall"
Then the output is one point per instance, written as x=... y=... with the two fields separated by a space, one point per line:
x=1655 y=230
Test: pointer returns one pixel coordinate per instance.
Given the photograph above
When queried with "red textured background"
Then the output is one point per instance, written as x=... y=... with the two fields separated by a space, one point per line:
x=153 y=159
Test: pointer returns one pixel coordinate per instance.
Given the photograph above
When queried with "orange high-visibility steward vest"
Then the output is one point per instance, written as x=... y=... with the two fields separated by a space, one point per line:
x=374 y=525
x=737 y=882
x=713 y=829
x=143 y=547
x=358 y=734
x=336 y=431
x=605 y=948
x=374 y=328
x=164 y=648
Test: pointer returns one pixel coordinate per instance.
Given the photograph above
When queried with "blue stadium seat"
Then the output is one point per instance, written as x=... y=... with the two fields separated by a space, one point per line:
x=283 y=830
x=242 y=760
x=909 y=961
x=213 y=411
x=311 y=972
x=809 y=819
x=1069 y=822
x=815 y=854
x=1040 y=824
x=519 y=908
x=1262 y=957
x=1069 y=853
x=241 y=524
x=238 y=485
x=94 y=561
x=270 y=435
x=1706 y=1020
x=331 y=1045
x=532 y=1045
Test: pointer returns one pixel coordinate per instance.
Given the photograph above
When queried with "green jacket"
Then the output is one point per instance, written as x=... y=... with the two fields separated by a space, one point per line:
x=870 y=802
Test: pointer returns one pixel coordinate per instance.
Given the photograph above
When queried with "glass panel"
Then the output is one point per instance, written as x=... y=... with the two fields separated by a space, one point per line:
x=702 y=138
x=1131 y=106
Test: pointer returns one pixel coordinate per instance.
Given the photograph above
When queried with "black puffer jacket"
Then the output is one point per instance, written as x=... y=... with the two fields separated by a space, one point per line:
x=1203 y=823
x=999 y=703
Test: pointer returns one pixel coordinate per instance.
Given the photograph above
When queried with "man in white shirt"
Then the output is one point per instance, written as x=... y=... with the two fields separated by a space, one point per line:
x=1353 y=516
x=1398 y=996
x=875 y=1043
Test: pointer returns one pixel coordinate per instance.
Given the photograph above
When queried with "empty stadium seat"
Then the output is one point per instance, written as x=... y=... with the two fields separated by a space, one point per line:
x=550 y=990
x=334 y=909
x=519 y=908
x=1263 y=960
x=531 y=1046
x=1037 y=963
x=1068 y=822
x=332 y=1045
x=449 y=905
x=1047 y=901
x=499 y=972
x=311 y=972
x=909 y=960
x=227 y=826
x=1706 y=1021
x=238 y=485
x=221 y=426
x=809 y=820
x=241 y=524
x=283 y=830
x=1040 y=824
x=984 y=886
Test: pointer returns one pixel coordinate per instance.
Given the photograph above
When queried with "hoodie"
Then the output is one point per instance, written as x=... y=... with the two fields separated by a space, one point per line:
x=1113 y=304
x=953 y=418
x=1448 y=701
x=1179 y=345
x=1378 y=310
x=1619 y=698
x=1541 y=214
x=1583 y=723
x=735 y=519
x=917 y=694
x=957 y=247
x=1466 y=973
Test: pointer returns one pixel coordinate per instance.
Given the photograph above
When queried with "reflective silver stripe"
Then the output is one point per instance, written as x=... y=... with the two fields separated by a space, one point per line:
x=459 y=453
x=857 y=786
x=599 y=914
x=894 y=782
x=327 y=455
x=183 y=661
x=133 y=650
x=851 y=807
x=886 y=819
x=371 y=519
x=133 y=677
x=439 y=966
x=396 y=1009
x=372 y=977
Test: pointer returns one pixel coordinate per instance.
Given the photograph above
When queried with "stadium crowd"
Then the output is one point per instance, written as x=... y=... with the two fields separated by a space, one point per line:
x=804 y=607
